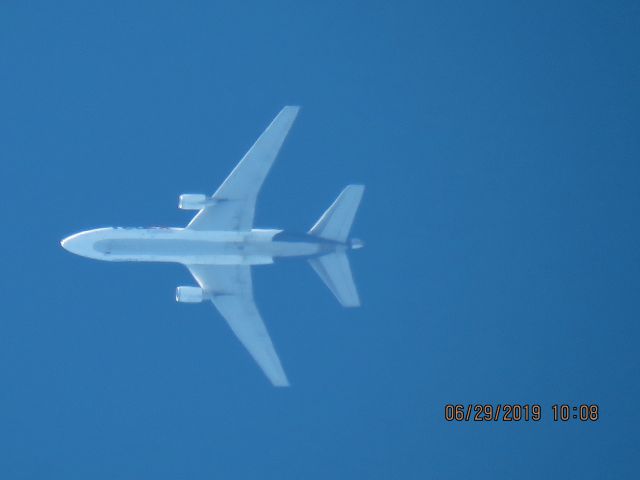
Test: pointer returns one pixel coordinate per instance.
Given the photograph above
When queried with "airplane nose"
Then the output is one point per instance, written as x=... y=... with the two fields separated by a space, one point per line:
x=78 y=244
x=68 y=244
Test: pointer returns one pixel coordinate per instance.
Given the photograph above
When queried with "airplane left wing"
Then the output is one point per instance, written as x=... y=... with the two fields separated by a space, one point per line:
x=234 y=202
x=231 y=292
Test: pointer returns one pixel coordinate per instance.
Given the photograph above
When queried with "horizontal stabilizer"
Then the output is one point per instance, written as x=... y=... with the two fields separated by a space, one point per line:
x=335 y=223
x=335 y=272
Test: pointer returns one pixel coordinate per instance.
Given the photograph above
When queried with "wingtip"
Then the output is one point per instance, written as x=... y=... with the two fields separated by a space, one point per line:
x=281 y=383
x=294 y=109
x=286 y=117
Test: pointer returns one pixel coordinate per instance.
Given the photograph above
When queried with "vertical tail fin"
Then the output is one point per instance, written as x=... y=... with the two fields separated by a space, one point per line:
x=335 y=224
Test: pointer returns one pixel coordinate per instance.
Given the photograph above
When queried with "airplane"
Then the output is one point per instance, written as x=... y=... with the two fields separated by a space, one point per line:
x=220 y=244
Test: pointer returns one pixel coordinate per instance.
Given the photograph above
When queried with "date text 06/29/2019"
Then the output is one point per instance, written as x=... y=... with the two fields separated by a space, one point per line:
x=516 y=412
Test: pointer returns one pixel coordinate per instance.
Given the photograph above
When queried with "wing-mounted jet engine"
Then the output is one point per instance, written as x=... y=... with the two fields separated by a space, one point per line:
x=190 y=295
x=194 y=201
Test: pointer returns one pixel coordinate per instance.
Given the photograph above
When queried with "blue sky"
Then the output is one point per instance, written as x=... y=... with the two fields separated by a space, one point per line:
x=499 y=145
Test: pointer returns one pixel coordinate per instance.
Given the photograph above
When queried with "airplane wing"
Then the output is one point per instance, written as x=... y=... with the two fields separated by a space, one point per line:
x=234 y=201
x=231 y=292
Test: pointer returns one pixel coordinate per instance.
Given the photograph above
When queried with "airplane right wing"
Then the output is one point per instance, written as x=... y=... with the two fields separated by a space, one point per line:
x=231 y=292
x=235 y=200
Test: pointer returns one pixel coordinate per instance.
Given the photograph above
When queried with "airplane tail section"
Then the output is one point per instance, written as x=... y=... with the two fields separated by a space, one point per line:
x=335 y=272
x=335 y=224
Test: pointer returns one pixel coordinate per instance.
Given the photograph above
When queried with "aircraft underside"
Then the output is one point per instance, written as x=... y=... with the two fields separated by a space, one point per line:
x=219 y=245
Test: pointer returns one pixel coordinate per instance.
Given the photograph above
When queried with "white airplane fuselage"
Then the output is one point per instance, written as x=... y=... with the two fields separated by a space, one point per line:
x=195 y=247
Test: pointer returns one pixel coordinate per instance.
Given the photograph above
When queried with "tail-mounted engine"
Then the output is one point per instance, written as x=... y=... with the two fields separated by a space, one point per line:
x=190 y=295
x=193 y=201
